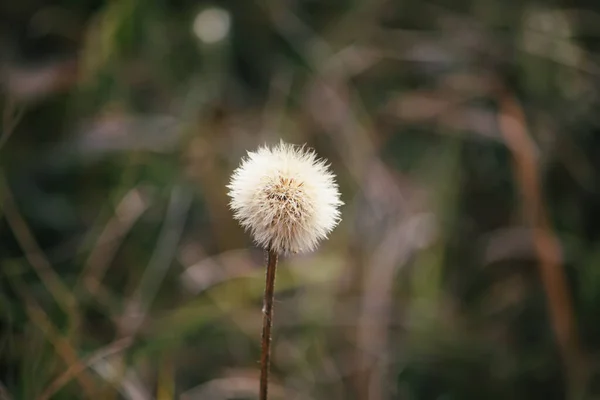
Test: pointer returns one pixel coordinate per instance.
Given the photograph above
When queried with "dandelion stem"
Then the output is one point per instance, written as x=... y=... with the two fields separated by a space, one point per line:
x=265 y=358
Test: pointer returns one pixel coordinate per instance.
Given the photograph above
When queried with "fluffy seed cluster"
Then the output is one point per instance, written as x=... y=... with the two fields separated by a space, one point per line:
x=286 y=197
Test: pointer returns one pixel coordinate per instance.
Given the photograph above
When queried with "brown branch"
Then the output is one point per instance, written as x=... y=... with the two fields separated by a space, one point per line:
x=265 y=358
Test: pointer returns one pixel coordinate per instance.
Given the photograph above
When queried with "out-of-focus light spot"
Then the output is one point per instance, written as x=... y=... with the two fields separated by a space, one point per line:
x=212 y=25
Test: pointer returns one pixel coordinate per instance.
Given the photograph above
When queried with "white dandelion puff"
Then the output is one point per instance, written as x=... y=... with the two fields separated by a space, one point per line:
x=286 y=197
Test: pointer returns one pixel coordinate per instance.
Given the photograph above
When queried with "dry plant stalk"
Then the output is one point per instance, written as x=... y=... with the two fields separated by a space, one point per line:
x=547 y=246
x=288 y=199
x=265 y=348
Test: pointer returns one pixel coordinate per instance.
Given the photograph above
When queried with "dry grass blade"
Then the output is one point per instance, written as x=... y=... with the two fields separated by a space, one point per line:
x=137 y=307
x=513 y=125
x=76 y=369
x=129 y=210
x=62 y=346
x=124 y=379
x=395 y=248
x=4 y=393
x=230 y=387
x=35 y=256
x=11 y=116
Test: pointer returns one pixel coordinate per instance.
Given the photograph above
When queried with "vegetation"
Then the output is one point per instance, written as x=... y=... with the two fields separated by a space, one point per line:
x=464 y=136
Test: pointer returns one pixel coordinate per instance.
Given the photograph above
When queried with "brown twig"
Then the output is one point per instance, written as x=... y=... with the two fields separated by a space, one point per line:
x=265 y=357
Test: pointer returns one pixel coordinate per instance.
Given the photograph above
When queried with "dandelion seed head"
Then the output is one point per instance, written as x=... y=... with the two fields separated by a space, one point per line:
x=286 y=197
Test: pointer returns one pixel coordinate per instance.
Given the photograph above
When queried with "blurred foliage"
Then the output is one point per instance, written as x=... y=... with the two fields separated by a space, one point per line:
x=465 y=137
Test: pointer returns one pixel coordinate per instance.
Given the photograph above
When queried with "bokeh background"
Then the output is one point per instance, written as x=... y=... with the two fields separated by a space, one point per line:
x=465 y=138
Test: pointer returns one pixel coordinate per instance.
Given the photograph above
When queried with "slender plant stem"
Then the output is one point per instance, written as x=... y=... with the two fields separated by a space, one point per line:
x=265 y=357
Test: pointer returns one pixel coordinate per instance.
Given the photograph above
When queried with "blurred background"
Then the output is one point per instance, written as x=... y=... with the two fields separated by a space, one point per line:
x=466 y=140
